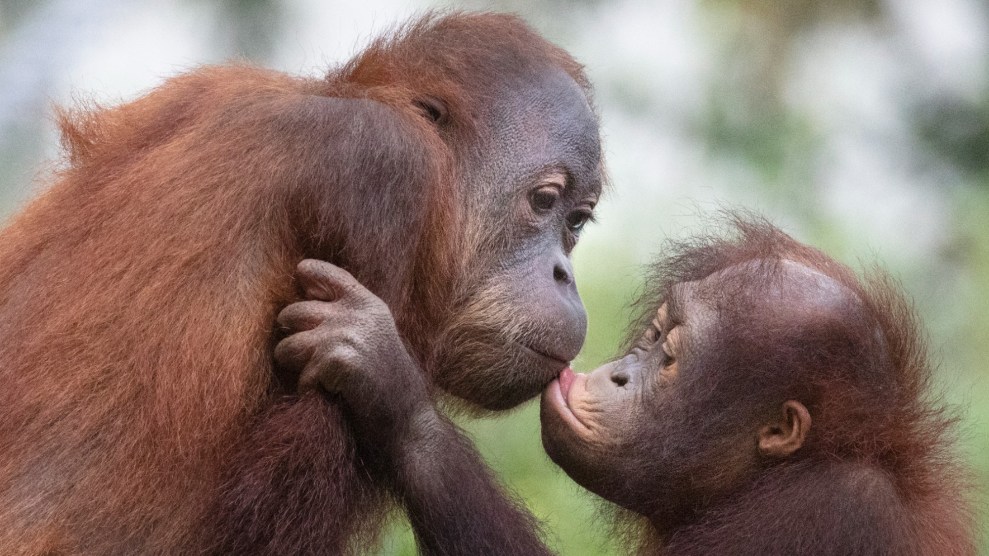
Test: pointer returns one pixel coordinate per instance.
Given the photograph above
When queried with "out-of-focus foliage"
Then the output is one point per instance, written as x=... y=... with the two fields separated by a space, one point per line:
x=251 y=28
x=861 y=126
x=958 y=130
x=10 y=13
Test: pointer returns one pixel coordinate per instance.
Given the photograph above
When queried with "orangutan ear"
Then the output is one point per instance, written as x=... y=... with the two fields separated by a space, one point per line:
x=782 y=437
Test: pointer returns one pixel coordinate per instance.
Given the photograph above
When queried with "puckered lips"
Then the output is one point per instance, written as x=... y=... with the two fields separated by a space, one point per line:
x=557 y=397
x=566 y=379
x=550 y=364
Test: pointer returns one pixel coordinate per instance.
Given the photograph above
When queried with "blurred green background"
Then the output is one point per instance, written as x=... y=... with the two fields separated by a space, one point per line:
x=860 y=126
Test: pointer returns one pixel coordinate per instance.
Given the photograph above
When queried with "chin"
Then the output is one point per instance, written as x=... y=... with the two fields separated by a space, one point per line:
x=560 y=440
x=564 y=441
x=498 y=377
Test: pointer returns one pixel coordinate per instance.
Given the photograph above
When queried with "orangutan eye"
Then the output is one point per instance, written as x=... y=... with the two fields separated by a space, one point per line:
x=577 y=219
x=656 y=330
x=668 y=358
x=544 y=199
x=649 y=337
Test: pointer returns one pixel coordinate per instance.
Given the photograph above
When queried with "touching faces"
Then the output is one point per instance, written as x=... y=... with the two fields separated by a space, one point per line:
x=529 y=189
x=610 y=427
x=678 y=418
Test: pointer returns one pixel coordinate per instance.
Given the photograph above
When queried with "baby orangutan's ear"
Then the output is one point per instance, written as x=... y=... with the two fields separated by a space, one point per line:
x=785 y=436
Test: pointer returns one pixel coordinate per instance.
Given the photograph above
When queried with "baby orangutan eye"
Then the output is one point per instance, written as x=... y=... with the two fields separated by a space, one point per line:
x=668 y=358
x=649 y=338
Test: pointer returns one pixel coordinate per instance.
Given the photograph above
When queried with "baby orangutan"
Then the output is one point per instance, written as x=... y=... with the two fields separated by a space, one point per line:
x=769 y=403
x=774 y=404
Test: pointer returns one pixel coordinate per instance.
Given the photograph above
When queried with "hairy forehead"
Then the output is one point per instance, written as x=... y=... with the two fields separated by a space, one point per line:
x=543 y=105
x=544 y=122
x=785 y=281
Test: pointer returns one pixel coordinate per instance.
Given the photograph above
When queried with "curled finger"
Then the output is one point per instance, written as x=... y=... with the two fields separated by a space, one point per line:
x=331 y=368
x=328 y=282
x=295 y=352
x=305 y=315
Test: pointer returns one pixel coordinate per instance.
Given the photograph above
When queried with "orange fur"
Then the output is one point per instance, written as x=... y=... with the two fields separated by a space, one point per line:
x=140 y=412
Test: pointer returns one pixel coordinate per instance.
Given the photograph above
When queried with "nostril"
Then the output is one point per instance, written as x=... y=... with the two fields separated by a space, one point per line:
x=620 y=378
x=561 y=275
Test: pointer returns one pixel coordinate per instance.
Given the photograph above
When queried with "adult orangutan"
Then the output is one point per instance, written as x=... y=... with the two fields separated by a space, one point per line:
x=769 y=402
x=450 y=166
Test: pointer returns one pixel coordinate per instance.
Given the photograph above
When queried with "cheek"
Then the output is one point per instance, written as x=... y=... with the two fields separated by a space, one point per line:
x=583 y=459
x=662 y=402
x=605 y=463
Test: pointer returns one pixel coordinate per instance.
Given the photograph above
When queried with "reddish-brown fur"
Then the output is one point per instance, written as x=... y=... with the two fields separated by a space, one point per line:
x=139 y=411
x=877 y=474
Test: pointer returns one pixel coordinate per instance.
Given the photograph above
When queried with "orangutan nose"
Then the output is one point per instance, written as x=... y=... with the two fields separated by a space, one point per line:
x=620 y=378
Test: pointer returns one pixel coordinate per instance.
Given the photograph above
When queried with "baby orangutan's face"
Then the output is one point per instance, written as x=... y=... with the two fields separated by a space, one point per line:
x=596 y=424
x=671 y=418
